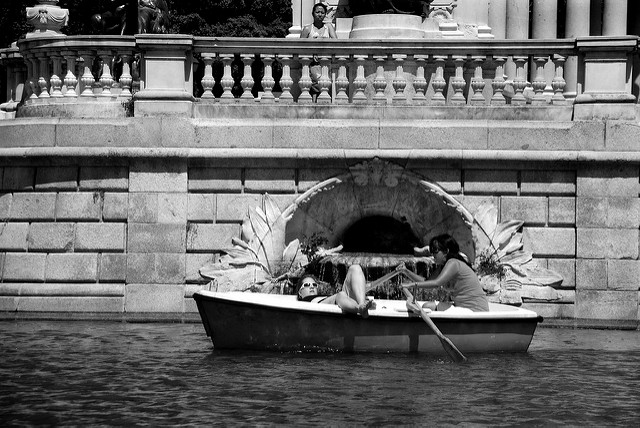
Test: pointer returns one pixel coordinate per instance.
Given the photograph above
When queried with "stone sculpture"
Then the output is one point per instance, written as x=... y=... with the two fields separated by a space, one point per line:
x=152 y=16
x=408 y=7
x=113 y=21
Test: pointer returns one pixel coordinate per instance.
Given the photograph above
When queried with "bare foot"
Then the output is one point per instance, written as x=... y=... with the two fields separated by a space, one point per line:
x=363 y=309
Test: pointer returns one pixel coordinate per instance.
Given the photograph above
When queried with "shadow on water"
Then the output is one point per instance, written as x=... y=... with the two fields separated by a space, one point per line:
x=87 y=373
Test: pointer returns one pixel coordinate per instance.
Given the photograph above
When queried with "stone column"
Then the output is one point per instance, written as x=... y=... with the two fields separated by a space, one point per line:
x=517 y=28
x=545 y=26
x=517 y=19
x=634 y=29
x=498 y=18
x=296 y=19
x=576 y=25
x=545 y=19
x=614 y=19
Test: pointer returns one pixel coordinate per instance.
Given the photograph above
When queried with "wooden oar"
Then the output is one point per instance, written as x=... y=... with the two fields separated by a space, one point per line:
x=448 y=346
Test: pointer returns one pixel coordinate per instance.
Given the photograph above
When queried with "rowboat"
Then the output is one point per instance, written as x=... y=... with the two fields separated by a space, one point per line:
x=257 y=321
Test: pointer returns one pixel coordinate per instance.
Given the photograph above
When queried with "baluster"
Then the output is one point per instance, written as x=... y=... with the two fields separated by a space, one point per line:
x=32 y=67
x=208 y=82
x=135 y=73
x=539 y=82
x=420 y=83
x=267 y=80
x=325 y=81
x=305 y=81
x=227 y=79
x=457 y=82
x=70 y=80
x=360 y=82
x=286 y=81
x=44 y=74
x=399 y=81
x=438 y=83
x=87 y=76
x=247 y=80
x=126 y=79
x=342 y=82
x=380 y=83
x=477 y=82
x=558 y=83
x=519 y=82
x=498 y=82
x=106 y=79
x=56 y=82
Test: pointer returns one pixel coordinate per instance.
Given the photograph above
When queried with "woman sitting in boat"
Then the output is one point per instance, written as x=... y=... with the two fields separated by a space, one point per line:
x=351 y=299
x=456 y=276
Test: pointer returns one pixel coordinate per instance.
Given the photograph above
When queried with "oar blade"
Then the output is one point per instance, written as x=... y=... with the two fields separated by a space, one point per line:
x=451 y=350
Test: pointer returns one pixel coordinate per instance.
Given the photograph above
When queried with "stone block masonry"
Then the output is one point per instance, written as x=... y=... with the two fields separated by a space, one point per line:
x=126 y=231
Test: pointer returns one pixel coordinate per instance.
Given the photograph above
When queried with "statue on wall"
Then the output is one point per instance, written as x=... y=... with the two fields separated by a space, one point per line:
x=112 y=21
x=407 y=7
x=152 y=16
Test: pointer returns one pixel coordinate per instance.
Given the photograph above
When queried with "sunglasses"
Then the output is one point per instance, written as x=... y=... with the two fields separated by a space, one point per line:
x=309 y=284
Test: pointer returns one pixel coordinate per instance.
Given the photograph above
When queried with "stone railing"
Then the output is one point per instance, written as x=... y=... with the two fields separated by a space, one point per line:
x=178 y=70
x=438 y=72
x=61 y=71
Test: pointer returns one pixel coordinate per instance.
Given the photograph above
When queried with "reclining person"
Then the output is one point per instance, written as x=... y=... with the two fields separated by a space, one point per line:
x=351 y=299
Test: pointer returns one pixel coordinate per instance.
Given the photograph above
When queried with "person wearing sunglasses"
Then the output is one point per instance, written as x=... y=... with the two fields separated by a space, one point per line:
x=350 y=299
x=456 y=276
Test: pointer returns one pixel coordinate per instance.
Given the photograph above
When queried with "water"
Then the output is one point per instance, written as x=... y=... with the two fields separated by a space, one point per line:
x=121 y=374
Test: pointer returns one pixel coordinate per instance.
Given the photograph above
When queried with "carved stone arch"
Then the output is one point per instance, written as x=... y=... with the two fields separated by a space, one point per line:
x=384 y=189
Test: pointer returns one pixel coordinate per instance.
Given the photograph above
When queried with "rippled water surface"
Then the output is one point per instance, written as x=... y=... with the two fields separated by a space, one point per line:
x=94 y=373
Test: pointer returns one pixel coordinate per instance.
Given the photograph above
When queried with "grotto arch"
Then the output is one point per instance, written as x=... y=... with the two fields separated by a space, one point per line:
x=385 y=192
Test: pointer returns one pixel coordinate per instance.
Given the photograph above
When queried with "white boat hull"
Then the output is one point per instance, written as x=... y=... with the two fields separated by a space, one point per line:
x=236 y=320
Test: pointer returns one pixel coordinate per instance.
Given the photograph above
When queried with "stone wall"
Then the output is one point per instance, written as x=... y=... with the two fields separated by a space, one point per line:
x=115 y=231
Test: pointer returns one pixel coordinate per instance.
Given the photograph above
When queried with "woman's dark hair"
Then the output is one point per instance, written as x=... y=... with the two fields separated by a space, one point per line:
x=302 y=278
x=447 y=244
x=322 y=5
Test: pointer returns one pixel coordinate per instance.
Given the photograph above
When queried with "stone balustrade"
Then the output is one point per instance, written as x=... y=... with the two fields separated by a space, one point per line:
x=59 y=76
x=48 y=75
x=440 y=72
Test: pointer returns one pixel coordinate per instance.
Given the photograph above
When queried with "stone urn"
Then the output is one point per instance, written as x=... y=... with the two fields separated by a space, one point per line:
x=47 y=18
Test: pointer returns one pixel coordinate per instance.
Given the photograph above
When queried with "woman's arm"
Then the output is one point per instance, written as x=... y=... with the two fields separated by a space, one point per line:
x=332 y=31
x=448 y=274
x=305 y=32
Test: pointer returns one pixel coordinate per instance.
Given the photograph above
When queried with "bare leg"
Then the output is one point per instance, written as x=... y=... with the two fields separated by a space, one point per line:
x=355 y=284
x=352 y=298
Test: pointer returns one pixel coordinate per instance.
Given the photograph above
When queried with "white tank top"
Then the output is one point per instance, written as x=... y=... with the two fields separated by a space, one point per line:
x=318 y=33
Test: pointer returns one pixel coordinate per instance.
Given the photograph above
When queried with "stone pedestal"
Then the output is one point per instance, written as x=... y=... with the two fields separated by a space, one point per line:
x=606 y=69
x=387 y=26
x=166 y=74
